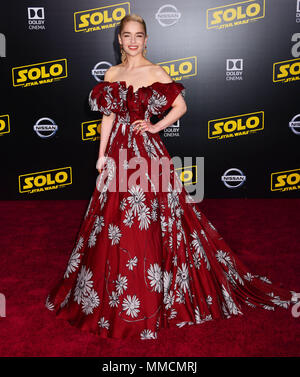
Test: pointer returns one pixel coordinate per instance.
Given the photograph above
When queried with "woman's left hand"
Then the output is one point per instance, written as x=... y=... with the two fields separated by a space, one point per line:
x=142 y=125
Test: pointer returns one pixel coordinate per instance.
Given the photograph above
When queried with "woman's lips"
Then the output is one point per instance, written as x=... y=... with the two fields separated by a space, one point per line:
x=132 y=48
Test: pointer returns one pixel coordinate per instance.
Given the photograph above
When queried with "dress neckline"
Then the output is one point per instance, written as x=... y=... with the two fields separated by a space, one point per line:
x=141 y=87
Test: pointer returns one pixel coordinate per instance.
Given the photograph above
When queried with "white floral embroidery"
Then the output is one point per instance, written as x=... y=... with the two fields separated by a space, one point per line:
x=136 y=199
x=223 y=257
x=198 y=214
x=267 y=307
x=144 y=217
x=265 y=279
x=173 y=314
x=248 y=276
x=196 y=243
x=114 y=234
x=156 y=102
x=103 y=323
x=182 y=277
x=148 y=334
x=173 y=199
x=128 y=221
x=155 y=277
x=90 y=302
x=132 y=263
x=131 y=305
x=84 y=284
x=73 y=263
x=123 y=204
x=230 y=304
x=174 y=260
x=277 y=301
x=150 y=149
x=66 y=300
x=114 y=299
x=92 y=240
x=121 y=284
x=169 y=299
x=49 y=305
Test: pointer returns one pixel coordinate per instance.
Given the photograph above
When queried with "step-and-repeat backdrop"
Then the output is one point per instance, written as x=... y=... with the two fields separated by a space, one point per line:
x=239 y=62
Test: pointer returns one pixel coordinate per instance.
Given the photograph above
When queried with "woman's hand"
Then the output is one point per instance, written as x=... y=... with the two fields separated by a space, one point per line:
x=142 y=125
x=100 y=163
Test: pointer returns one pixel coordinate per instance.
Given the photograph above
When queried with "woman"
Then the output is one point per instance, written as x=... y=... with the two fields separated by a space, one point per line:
x=147 y=258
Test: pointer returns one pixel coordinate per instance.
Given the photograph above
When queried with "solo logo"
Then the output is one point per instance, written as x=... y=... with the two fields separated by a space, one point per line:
x=181 y=68
x=45 y=180
x=4 y=124
x=234 y=14
x=288 y=180
x=237 y=125
x=91 y=130
x=188 y=174
x=100 y=18
x=286 y=71
x=39 y=73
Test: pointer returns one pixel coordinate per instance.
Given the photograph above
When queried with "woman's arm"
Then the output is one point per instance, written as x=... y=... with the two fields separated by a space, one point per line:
x=178 y=109
x=106 y=125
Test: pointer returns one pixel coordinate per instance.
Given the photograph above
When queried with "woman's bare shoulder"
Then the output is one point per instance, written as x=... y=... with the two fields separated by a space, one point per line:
x=160 y=74
x=153 y=71
x=111 y=72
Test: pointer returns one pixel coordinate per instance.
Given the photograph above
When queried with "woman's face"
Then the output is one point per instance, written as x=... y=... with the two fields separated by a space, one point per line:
x=133 y=38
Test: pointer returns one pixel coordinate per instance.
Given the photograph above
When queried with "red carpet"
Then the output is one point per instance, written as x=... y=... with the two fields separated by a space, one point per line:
x=37 y=239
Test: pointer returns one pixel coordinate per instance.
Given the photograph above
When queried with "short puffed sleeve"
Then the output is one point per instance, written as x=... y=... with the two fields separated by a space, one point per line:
x=164 y=94
x=104 y=97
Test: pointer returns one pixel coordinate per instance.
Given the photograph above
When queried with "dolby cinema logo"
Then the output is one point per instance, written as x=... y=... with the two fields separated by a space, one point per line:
x=294 y=124
x=173 y=130
x=45 y=128
x=36 y=18
x=233 y=178
x=234 y=69
x=99 y=70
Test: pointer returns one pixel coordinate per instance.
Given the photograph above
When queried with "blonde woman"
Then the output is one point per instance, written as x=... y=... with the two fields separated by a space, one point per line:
x=145 y=257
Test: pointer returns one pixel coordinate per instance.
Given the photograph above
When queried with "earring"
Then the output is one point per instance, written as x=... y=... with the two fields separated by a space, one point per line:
x=123 y=54
x=145 y=51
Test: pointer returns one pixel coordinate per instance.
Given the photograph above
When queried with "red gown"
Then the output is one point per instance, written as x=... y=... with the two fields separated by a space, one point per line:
x=144 y=260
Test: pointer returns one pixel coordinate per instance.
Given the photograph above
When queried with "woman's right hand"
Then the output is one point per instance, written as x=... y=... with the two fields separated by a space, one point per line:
x=100 y=163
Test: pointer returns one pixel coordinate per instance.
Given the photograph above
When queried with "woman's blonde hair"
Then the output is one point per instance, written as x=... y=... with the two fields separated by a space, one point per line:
x=125 y=19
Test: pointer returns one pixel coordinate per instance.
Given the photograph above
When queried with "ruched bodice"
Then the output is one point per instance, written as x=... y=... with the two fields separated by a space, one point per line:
x=154 y=99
